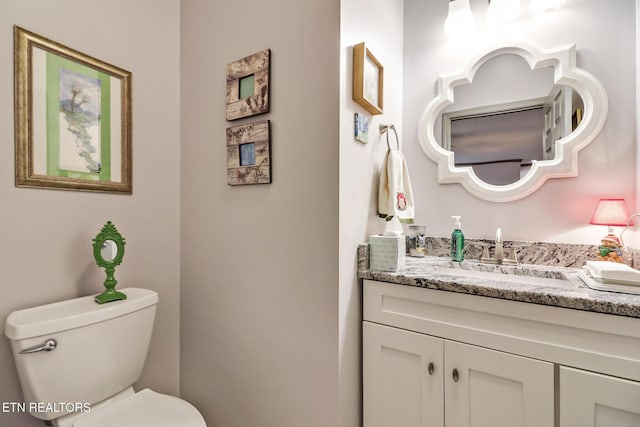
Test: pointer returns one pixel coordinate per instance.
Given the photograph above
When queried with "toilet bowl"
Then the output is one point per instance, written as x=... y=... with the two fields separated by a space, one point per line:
x=145 y=408
x=77 y=362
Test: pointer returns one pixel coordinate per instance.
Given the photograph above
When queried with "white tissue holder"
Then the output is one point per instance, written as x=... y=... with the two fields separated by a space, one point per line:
x=387 y=253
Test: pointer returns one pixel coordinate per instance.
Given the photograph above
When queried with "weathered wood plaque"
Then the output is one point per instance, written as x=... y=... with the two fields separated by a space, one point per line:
x=248 y=154
x=248 y=86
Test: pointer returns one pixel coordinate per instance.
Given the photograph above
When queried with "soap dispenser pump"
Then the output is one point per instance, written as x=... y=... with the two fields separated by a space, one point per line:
x=457 y=241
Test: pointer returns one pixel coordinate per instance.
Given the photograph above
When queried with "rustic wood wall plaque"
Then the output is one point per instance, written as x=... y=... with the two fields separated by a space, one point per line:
x=248 y=154
x=248 y=86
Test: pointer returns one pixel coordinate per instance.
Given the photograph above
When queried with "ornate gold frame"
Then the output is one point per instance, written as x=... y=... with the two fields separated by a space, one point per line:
x=25 y=137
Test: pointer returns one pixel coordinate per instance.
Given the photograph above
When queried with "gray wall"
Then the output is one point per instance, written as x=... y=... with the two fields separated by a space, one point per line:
x=259 y=276
x=46 y=239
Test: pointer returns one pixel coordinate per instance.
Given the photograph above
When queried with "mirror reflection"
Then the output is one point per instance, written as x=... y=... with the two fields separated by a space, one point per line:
x=109 y=250
x=500 y=124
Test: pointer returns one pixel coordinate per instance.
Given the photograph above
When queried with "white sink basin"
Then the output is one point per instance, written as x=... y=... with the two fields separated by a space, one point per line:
x=521 y=274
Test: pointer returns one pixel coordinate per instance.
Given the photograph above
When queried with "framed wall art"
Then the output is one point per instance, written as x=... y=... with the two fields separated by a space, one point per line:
x=361 y=127
x=368 y=77
x=248 y=86
x=248 y=154
x=72 y=118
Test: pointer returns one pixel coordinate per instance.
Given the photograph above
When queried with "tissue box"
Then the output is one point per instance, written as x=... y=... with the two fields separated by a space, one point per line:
x=386 y=253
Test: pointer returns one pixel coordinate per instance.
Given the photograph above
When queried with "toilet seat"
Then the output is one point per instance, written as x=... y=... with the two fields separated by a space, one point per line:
x=145 y=408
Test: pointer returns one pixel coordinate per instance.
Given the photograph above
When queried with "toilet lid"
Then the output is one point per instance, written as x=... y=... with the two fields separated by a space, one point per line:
x=145 y=408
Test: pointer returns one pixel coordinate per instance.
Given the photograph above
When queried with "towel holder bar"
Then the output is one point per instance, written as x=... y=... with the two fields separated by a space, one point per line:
x=385 y=129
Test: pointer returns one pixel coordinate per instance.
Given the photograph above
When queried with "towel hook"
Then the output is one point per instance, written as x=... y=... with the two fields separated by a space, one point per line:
x=385 y=129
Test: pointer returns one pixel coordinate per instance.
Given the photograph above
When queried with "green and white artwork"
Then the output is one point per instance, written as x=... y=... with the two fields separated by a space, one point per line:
x=79 y=147
x=78 y=129
x=73 y=111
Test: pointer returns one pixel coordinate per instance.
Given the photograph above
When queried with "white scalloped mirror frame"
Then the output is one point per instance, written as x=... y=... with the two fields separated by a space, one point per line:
x=565 y=163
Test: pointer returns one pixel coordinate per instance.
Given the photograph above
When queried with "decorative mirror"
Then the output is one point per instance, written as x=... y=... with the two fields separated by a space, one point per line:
x=108 y=251
x=561 y=108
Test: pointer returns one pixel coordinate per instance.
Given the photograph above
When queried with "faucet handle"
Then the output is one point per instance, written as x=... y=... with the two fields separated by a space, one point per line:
x=498 y=235
x=485 y=253
x=486 y=257
x=512 y=258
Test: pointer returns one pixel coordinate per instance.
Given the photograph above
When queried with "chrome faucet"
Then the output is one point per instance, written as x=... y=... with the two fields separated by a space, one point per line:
x=498 y=254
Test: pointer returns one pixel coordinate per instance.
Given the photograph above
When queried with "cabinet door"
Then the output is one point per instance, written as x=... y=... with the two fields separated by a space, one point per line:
x=402 y=378
x=487 y=388
x=595 y=400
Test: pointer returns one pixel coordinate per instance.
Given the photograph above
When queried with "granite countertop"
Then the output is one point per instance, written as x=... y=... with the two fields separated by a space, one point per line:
x=536 y=284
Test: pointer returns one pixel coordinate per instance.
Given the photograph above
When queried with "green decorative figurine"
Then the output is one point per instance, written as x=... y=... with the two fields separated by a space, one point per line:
x=108 y=250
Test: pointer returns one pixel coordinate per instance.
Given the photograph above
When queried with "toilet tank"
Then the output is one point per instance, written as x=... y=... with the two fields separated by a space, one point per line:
x=101 y=348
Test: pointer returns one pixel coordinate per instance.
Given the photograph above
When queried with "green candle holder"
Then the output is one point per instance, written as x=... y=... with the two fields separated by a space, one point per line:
x=108 y=251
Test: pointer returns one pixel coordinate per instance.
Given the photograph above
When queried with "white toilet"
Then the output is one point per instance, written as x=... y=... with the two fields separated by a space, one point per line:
x=77 y=361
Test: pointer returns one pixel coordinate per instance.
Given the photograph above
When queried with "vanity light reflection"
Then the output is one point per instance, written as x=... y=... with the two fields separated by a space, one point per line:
x=460 y=20
x=501 y=11
x=538 y=6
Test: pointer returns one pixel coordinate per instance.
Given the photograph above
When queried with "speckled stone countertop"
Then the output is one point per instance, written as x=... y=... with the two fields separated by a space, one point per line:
x=536 y=284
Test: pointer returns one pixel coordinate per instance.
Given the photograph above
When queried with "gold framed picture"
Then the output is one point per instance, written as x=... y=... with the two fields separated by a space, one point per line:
x=368 y=79
x=72 y=118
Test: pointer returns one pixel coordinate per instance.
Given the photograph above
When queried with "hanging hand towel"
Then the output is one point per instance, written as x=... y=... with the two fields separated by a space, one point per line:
x=395 y=197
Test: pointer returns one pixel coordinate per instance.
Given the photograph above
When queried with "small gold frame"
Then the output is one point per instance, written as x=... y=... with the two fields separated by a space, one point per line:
x=368 y=79
x=63 y=155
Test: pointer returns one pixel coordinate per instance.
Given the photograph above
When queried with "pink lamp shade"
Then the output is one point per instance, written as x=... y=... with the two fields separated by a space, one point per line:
x=611 y=212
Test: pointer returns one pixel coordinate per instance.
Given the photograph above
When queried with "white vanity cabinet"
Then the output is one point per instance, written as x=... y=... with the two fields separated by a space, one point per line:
x=444 y=359
x=417 y=380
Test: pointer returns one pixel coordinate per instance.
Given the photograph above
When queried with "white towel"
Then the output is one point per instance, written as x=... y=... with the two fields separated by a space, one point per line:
x=395 y=197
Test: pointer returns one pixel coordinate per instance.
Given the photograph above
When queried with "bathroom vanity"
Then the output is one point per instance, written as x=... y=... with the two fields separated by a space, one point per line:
x=460 y=344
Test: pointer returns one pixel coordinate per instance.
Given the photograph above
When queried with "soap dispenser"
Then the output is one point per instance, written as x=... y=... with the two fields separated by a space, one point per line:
x=457 y=241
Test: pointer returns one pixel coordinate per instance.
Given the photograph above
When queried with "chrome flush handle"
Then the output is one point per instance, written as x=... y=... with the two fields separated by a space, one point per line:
x=48 y=345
